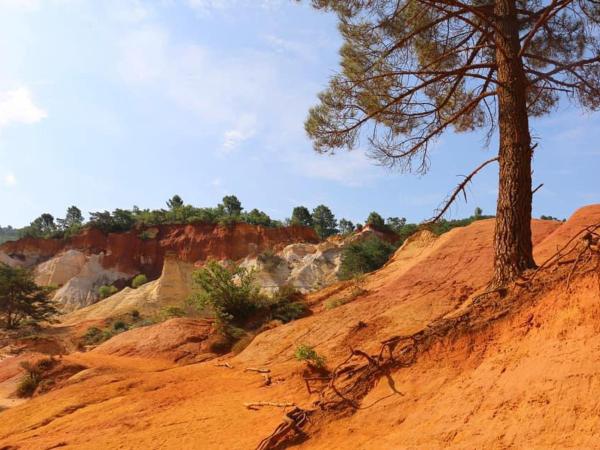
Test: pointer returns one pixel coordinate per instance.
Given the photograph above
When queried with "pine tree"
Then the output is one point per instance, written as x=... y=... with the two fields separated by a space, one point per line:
x=411 y=69
x=21 y=298
x=324 y=221
x=301 y=216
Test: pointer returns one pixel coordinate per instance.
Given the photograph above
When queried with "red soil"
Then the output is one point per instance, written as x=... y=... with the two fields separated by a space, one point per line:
x=527 y=380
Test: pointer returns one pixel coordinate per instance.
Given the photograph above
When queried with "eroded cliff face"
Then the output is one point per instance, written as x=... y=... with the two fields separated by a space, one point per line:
x=80 y=265
x=134 y=251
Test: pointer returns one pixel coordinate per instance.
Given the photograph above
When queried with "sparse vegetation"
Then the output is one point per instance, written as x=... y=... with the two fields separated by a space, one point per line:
x=364 y=256
x=34 y=373
x=308 y=354
x=356 y=290
x=106 y=291
x=231 y=293
x=286 y=304
x=139 y=280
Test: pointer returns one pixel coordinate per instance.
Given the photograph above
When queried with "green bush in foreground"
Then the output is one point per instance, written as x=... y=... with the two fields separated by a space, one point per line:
x=230 y=292
x=307 y=353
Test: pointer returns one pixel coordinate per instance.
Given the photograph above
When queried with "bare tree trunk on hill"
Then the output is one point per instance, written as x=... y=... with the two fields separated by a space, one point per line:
x=512 y=238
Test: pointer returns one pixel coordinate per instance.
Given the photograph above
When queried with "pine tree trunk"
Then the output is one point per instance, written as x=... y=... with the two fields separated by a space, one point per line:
x=512 y=239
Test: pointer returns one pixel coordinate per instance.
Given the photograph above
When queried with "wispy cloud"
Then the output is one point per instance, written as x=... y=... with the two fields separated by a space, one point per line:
x=17 y=106
x=244 y=129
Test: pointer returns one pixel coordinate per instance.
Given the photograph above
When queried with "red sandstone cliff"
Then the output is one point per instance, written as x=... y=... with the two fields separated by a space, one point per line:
x=129 y=252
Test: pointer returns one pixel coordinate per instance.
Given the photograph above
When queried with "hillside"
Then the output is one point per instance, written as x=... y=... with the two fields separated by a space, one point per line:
x=469 y=369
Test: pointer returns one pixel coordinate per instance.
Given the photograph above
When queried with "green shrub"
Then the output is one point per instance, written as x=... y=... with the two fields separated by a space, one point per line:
x=106 y=291
x=119 y=326
x=364 y=256
x=286 y=304
x=139 y=280
x=307 y=353
x=170 y=312
x=231 y=292
x=135 y=315
x=93 y=336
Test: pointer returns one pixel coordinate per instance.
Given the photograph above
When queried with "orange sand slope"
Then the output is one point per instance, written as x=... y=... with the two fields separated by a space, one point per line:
x=529 y=380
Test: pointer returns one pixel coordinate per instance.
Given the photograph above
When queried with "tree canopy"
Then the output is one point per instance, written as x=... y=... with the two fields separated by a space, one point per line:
x=301 y=216
x=412 y=69
x=22 y=299
x=324 y=221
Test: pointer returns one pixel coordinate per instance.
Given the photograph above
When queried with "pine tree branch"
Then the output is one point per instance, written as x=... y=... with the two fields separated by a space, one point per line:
x=460 y=188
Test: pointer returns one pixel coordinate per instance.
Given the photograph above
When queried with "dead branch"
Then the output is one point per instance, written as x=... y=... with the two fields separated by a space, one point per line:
x=460 y=188
x=257 y=369
x=226 y=364
x=537 y=188
x=257 y=405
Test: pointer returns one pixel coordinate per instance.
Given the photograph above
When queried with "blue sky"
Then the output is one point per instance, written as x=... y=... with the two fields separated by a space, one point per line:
x=111 y=103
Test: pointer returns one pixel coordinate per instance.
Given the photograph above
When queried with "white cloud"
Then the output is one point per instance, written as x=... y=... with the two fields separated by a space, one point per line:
x=244 y=129
x=17 y=106
x=9 y=180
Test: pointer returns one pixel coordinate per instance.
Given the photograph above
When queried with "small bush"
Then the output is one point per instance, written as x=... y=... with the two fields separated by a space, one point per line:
x=27 y=385
x=106 y=291
x=139 y=280
x=231 y=292
x=364 y=256
x=170 y=312
x=119 y=326
x=307 y=353
x=33 y=376
x=287 y=305
x=135 y=315
x=95 y=336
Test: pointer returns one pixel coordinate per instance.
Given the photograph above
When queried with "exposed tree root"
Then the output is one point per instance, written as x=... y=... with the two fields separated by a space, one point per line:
x=354 y=377
x=289 y=429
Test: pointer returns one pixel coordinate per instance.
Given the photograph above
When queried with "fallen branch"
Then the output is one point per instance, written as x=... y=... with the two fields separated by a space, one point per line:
x=257 y=405
x=226 y=364
x=257 y=369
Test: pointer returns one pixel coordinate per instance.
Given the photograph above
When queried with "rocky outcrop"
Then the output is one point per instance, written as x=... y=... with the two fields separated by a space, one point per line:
x=82 y=289
x=60 y=269
x=172 y=288
x=143 y=251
